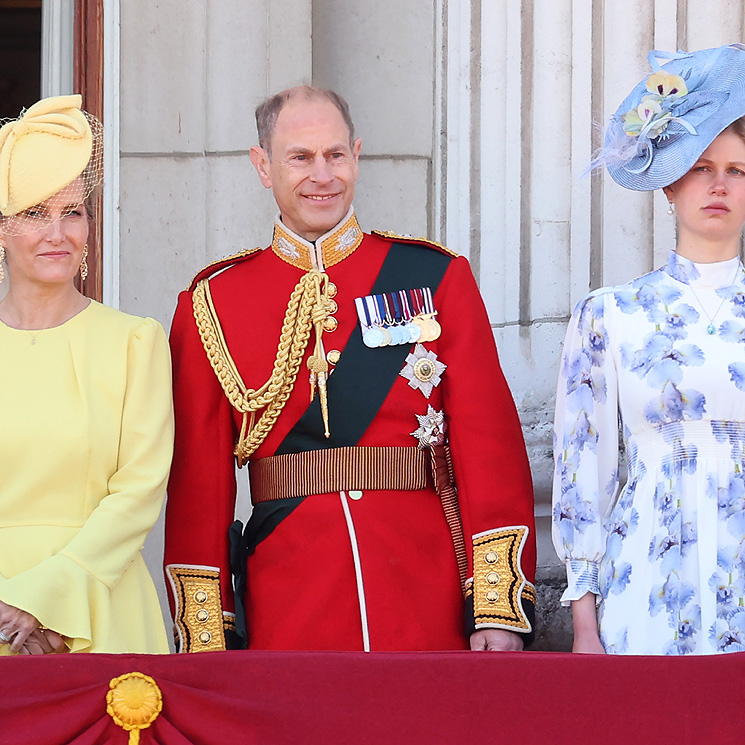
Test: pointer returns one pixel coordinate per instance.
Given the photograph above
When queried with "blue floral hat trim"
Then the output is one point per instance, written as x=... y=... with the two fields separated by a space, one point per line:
x=672 y=116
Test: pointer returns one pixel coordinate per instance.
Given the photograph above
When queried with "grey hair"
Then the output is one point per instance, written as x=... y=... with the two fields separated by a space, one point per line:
x=268 y=111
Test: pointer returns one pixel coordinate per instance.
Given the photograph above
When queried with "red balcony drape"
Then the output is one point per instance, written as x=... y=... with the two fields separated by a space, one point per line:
x=304 y=698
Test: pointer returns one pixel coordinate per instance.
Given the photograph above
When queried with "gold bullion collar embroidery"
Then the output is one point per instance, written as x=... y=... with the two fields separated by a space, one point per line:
x=331 y=248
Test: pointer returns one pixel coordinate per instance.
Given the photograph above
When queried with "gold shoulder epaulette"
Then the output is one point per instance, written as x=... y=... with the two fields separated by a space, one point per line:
x=216 y=266
x=411 y=239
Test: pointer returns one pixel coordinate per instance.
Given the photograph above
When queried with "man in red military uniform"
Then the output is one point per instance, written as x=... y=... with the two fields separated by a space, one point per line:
x=356 y=376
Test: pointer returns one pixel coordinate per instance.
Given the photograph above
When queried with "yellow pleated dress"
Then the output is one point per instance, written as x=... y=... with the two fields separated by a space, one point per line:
x=86 y=440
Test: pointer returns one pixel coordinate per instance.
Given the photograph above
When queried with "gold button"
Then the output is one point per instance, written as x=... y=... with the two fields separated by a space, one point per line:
x=492 y=596
x=202 y=615
x=330 y=324
x=333 y=356
x=331 y=307
x=200 y=596
x=205 y=637
x=331 y=289
x=492 y=557
x=492 y=578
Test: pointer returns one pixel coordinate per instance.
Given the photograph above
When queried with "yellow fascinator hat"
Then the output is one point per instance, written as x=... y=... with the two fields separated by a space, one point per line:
x=45 y=149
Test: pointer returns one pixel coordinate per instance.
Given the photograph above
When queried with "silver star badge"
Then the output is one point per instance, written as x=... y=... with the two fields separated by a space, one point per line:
x=423 y=370
x=431 y=428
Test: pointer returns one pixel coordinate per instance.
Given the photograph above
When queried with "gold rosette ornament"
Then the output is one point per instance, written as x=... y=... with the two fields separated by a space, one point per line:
x=133 y=702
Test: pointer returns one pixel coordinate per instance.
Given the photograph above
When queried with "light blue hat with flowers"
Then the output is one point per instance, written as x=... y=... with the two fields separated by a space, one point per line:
x=672 y=116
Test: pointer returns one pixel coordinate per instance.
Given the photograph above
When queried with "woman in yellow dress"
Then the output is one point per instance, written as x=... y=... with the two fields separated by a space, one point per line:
x=86 y=423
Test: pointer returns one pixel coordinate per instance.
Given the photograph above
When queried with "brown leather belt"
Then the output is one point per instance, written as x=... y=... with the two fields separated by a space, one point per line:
x=338 y=469
x=362 y=469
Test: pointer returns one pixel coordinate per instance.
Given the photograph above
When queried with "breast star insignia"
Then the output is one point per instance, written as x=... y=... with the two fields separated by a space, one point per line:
x=423 y=370
x=431 y=428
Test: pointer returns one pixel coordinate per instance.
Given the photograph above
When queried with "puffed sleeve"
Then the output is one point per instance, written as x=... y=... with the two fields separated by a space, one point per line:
x=492 y=474
x=69 y=591
x=585 y=446
x=201 y=495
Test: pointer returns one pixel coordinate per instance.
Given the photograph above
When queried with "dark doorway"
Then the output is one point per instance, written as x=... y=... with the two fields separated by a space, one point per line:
x=20 y=55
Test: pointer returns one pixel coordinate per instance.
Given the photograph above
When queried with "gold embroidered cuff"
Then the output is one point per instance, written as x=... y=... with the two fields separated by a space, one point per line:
x=199 y=619
x=498 y=580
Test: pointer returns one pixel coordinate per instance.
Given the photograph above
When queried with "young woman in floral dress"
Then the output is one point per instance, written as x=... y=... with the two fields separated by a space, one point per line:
x=657 y=566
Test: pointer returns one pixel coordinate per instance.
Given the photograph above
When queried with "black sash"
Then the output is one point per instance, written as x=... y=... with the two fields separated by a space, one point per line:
x=364 y=377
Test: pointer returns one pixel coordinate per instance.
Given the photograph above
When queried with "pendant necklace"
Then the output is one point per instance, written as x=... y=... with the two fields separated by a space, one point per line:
x=711 y=328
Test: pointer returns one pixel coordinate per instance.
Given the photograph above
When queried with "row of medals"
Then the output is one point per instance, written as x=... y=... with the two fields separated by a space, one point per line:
x=419 y=328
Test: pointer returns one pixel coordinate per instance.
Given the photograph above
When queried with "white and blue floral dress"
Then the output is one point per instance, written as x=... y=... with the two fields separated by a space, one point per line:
x=662 y=360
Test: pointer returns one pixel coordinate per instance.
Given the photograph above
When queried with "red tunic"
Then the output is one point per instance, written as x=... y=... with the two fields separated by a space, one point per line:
x=302 y=591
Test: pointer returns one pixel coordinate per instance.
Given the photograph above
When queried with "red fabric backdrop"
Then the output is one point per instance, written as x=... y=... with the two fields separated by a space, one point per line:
x=333 y=698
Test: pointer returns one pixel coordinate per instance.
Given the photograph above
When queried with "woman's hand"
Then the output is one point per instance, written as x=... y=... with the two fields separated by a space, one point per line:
x=24 y=635
x=15 y=626
x=588 y=645
x=44 y=641
x=586 y=634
